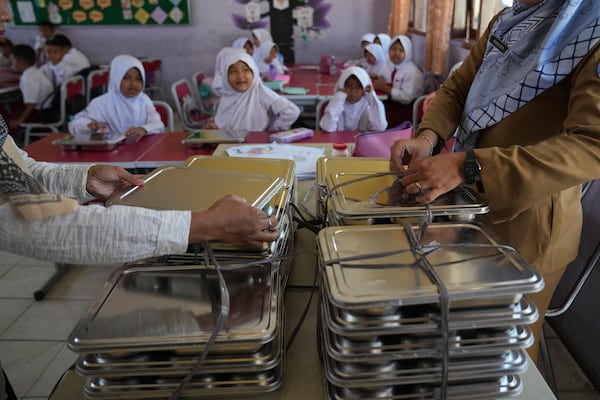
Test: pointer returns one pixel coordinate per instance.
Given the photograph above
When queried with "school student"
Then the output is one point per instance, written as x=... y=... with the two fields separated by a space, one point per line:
x=366 y=39
x=402 y=81
x=268 y=63
x=259 y=36
x=65 y=60
x=46 y=30
x=354 y=106
x=245 y=44
x=384 y=40
x=376 y=61
x=6 y=49
x=246 y=103
x=36 y=89
x=124 y=109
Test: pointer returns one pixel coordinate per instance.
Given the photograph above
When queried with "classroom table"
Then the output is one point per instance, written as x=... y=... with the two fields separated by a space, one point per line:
x=125 y=155
x=155 y=150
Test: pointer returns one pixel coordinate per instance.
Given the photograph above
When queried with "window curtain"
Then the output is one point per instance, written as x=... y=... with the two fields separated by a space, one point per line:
x=437 y=38
x=399 y=16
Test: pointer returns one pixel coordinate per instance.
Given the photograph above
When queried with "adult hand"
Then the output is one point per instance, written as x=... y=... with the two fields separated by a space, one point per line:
x=433 y=176
x=135 y=134
x=404 y=152
x=104 y=180
x=231 y=219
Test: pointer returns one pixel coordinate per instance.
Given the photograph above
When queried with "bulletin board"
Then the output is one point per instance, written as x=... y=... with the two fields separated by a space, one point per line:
x=101 y=12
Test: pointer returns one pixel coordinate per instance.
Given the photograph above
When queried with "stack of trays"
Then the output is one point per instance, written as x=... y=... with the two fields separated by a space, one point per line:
x=349 y=193
x=380 y=319
x=154 y=318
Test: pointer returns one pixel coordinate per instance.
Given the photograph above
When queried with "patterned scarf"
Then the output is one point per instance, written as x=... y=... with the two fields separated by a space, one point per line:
x=530 y=50
x=24 y=192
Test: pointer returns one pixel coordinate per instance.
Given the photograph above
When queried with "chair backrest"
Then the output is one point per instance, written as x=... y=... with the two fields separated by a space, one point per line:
x=319 y=111
x=166 y=114
x=72 y=97
x=417 y=111
x=192 y=116
x=152 y=68
x=97 y=83
x=197 y=79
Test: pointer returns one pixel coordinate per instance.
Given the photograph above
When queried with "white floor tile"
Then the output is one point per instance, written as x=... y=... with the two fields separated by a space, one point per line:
x=47 y=320
x=11 y=310
x=81 y=282
x=25 y=361
x=22 y=280
x=46 y=382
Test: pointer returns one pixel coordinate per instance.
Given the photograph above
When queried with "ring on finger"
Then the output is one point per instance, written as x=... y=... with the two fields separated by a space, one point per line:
x=270 y=223
x=418 y=185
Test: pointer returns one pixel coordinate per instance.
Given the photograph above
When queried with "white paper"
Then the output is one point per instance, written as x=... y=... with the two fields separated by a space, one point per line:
x=305 y=157
x=26 y=12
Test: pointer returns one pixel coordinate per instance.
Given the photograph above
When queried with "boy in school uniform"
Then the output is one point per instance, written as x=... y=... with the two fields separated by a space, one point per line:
x=65 y=60
x=46 y=30
x=35 y=86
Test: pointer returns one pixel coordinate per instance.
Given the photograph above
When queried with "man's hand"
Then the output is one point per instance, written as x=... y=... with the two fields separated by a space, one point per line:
x=104 y=180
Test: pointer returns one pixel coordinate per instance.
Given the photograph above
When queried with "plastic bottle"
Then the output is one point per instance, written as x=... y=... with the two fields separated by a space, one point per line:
x=340 y=150
x=332 y=66
x=272 y=72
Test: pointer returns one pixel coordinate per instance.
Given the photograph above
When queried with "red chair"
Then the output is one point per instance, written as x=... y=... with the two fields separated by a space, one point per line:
x=72 y=100
x=152 y=68
x=191 y=114
x=166 y=114
x=97 y=83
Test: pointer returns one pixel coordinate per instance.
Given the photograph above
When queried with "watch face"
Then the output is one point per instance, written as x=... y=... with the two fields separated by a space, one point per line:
x=471 y=168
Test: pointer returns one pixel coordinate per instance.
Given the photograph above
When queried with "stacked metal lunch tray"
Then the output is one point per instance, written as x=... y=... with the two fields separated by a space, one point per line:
x=380 y=327
x=360 y=191
x=154 y=318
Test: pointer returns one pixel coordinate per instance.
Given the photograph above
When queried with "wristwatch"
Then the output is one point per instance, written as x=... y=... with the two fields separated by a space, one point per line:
x=471 y=168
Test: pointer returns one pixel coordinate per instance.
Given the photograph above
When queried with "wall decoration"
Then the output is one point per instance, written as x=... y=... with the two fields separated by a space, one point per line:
x=101 y=12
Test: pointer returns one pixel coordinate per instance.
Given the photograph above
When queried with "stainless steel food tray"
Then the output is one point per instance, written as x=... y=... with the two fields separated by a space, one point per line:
x=329 y=165
x=423 y=371
x=200 y=137
x=69 y=143
x=179 y=188
x=201 y=385
x=523 y=314
x=462 y=343
x=475 y=271
x=163 y=308
x=282 y=168
x=504 y=387
x=360 y=199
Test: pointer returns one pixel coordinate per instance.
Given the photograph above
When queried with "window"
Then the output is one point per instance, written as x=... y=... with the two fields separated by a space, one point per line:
x=471 y=17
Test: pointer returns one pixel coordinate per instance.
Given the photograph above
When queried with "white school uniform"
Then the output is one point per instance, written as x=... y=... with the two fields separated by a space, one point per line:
x=117 y=111
x=408 y=78
x=73 y=62
x=263 y=36
x=36 y=88
x=264 y=67
x=379 y=68
x=368 y=114
x=258 y=108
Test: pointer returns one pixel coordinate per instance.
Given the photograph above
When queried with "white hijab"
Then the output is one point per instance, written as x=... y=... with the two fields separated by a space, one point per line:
x=250 y=109
x=120 y=113
x=354 y=114
x=385 y=40
x=367 y=37
x=217 y=83
x=263 y=35
x=377 y=51
x=239 y=43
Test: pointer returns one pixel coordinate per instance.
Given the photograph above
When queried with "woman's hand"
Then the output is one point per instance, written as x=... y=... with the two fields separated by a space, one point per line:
x=135 y=134
x=404 y=152
x=231 y=219
x=104 y=180
x=431 y=177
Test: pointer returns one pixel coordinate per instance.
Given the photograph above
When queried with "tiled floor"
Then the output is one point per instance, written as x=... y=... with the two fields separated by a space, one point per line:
x=33 y=334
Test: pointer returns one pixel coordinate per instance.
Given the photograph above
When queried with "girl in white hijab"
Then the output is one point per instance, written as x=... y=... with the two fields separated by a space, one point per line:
x=354 y=106
x=260 y=36
x=124 y=110
x=245 y=44
x=375 y=58
x=217 y=83
x=248 y=104
x=268 y=62
x=384 y=40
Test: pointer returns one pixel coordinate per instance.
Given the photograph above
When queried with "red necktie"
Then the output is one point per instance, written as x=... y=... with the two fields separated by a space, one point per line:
x=393 y=76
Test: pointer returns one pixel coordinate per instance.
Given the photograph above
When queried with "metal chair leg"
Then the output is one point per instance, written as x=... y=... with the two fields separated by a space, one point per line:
x=61 y=270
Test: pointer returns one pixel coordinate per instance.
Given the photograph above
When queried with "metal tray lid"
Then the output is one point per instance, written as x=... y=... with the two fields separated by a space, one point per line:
x=179 y=188
x=476 y=268
x=167 y=307
x=374 y=196
x=202 y=136
x=111 y=139
x=282 y=168
x=329 y=165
